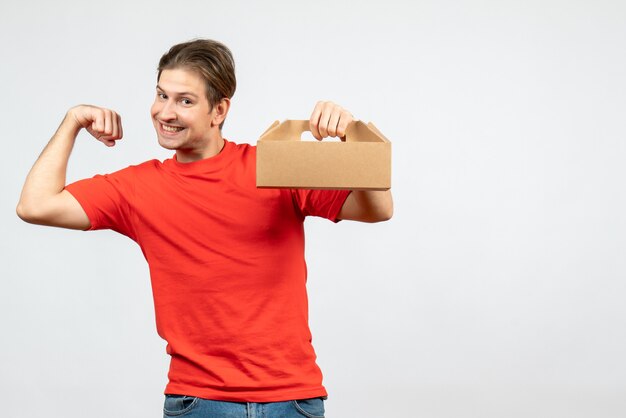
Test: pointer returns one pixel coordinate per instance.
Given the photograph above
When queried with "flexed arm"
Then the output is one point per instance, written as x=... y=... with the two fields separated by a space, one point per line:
x=43 y=200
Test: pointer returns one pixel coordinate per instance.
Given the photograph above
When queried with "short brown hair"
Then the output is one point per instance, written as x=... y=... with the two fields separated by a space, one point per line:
x=212 y=60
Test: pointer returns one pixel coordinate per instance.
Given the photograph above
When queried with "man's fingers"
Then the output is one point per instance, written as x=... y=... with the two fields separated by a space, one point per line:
x=329 y=119
x=108 y=121
x=333 y=122
x=315 y=120
x=103 y=124
x=119 y=126
x=115 y=130
x=99 y=119
x=116 y=121
x=325 y=119
x=344 y=120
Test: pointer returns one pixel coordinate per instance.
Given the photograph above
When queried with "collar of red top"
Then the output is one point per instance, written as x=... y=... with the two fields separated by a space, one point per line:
x=205 y=165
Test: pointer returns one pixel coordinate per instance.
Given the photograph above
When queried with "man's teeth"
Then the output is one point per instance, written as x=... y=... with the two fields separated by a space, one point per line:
x=171 y=128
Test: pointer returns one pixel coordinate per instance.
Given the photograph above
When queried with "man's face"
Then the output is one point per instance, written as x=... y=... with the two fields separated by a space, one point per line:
x=181 y=113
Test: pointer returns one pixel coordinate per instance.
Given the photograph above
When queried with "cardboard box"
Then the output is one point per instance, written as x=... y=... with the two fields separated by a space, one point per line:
x=361 y=162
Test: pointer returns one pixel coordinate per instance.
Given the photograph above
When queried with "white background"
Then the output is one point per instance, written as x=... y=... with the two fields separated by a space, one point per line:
x=497 y=290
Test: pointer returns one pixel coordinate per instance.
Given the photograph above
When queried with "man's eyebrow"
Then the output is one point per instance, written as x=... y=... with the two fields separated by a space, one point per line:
x=182 y=93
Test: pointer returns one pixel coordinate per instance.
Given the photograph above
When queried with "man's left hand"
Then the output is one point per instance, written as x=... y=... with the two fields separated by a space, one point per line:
x=329 y=119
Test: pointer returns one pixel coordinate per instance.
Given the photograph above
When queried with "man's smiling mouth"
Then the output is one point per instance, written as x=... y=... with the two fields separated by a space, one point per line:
x=173 y=129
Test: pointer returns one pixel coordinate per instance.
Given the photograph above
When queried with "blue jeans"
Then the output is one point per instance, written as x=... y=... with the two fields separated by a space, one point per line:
x=191 y=407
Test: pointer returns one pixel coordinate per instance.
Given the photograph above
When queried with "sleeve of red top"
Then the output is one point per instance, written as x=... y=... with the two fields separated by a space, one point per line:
x=324 y=203
x=106 y=201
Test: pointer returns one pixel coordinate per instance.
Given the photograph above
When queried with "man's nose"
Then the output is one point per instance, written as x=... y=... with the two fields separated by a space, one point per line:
x=168 y=111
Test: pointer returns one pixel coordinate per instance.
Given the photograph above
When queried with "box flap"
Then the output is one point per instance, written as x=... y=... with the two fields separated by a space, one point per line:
x=291 y=130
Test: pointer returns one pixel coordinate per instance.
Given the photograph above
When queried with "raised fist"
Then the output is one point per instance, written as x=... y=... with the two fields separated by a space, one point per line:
x=103 y=124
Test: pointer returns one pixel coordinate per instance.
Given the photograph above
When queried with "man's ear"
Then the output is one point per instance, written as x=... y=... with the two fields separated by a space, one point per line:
x=220 y=111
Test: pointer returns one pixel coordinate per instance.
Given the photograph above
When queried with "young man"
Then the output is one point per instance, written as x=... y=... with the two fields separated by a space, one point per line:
x=226 y=259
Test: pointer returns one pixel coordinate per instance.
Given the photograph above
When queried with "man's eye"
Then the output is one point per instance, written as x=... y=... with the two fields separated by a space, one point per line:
x=186 y=101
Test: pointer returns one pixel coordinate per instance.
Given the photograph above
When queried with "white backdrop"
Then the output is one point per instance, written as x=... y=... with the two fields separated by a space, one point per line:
x=497 y=290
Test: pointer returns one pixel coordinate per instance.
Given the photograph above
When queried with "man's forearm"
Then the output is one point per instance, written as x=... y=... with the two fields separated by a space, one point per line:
x=47 y=176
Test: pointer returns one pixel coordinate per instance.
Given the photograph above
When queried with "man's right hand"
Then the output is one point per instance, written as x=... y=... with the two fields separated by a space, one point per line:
x=103 y=124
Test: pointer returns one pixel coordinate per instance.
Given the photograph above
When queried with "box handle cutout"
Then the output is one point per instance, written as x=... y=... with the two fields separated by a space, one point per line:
x=307 y=136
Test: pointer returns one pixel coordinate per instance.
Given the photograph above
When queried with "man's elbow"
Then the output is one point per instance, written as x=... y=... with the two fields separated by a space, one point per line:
x=33 y=214
x=385 y=215
x=381 y=215
x=60 y=210
x=26 y=213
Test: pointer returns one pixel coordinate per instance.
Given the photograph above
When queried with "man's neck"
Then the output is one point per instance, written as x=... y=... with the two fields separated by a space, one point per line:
x=211 y=150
